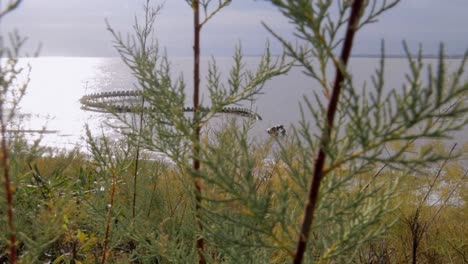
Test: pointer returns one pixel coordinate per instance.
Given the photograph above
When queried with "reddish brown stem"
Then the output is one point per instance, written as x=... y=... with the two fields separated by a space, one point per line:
x=196 y=146
x=109 y=218
x=314 y=188
x=137 y=158
x=8 y=190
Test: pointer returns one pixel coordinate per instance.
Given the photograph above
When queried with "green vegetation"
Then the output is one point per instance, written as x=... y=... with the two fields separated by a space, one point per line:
x=362 y=188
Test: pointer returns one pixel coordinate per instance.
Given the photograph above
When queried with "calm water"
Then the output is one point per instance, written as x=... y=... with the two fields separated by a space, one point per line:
x=57 y=83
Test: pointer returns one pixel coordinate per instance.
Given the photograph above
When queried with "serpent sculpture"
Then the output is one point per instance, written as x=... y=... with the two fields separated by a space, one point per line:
x=121 y=102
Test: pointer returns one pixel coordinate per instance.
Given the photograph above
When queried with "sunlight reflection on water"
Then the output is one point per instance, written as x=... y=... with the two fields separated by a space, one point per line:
x=57 y=84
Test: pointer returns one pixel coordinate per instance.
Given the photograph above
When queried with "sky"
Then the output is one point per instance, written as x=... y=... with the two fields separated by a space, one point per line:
x=78 y=28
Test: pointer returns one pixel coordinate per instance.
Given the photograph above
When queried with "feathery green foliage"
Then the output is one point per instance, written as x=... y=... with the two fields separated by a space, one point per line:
x=379 y=198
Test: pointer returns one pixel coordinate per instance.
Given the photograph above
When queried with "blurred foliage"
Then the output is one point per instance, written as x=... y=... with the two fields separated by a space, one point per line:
x=387 y=197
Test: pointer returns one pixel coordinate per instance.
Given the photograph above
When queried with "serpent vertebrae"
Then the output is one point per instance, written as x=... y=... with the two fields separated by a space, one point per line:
x=125 y=102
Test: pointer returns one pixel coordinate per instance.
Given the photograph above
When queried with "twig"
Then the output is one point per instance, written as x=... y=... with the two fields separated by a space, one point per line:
x=212 y=14
x=109 y=218
x=8 y=189
x=447 y=199
x=417 y=228
x=196 y=141
x=374 y=177
x=137 y=158
x=436 y=177
x=10 y=7
x=353 y=24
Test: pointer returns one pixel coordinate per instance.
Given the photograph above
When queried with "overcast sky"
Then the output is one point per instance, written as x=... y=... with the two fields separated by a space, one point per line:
x=77 y=27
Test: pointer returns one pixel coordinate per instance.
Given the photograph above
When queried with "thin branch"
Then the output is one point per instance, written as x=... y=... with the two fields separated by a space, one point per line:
x=109 y=218
x=137 y=158
x=374 y=177
x=214 y=12
x=8 y=188
x=10 y=7
x=353 y=23
x=196 y=140
x=447 y=199
x=436 y=177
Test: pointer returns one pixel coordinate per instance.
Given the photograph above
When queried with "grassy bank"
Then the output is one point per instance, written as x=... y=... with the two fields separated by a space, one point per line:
x=62 y=208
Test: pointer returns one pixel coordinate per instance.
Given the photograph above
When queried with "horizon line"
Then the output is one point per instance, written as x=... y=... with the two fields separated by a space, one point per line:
x=359 y=55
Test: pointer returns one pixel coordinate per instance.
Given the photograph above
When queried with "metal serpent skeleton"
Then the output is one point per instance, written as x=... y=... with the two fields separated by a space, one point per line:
x=118 y=102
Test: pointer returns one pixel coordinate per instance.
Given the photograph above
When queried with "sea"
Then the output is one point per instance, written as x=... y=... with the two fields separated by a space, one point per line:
x=52 y=99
